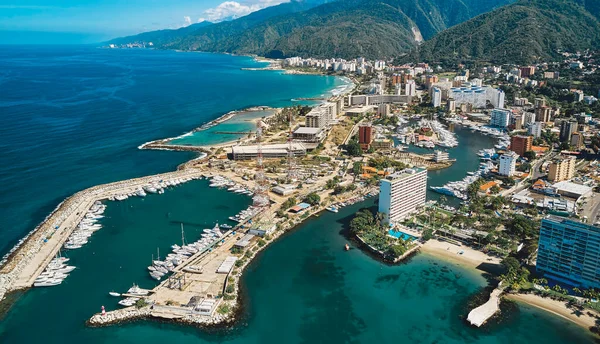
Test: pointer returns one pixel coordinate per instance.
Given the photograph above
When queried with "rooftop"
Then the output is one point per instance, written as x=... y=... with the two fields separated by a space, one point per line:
x=306 y=130
x=572 y=187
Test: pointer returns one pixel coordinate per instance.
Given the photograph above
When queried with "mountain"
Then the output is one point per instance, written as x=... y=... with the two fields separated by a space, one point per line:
x=523 y=32
x=344 y=28
x=162 y=38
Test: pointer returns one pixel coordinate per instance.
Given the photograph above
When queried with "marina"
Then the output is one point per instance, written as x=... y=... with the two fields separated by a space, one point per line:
x=70 y=226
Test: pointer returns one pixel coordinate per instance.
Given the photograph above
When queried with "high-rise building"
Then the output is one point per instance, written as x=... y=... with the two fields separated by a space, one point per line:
x=562 y=169
x=436 y=97
x=402 y=193
x=539 y=102
x=521 y=144
x=451 y=105
x=507 y=164
x=567 y=128
x=365 y=136
x=542 y=114
x=535 y=129
x=500 y=118
x=569 y=252
x=430 y=80
x=528 y=71
x=577 y=140
x=410 y=88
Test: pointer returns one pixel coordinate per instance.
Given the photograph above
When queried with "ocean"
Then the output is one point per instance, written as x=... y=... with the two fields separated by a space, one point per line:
x=73 y=117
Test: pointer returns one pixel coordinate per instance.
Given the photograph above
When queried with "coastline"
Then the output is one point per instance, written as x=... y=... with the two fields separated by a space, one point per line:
x=164 y=144
x=555 y=307
x=447 y=251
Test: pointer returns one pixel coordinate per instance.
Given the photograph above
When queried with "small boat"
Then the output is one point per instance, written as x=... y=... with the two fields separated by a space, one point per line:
x=226 y=226
x=346 y=247
x=332 y=209
x=112 y=293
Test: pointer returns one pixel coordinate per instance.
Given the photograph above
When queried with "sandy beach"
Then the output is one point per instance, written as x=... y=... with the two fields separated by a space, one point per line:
x=556 y=307
x=448 y=251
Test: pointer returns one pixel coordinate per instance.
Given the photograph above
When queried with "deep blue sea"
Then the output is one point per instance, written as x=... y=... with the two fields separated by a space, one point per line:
x=73 y=116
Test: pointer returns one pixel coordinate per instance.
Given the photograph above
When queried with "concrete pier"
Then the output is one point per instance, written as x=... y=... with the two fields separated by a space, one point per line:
x=481 y=314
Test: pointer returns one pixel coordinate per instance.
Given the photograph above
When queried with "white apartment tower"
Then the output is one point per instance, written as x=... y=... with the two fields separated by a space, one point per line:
x=507 y=164
x=402 y=193
x=535 y=129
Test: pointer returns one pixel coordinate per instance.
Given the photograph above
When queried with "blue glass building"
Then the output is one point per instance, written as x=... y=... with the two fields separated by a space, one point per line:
x=569 y=252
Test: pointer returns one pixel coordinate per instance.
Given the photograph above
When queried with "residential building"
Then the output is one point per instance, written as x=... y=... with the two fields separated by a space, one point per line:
x=567 y=128
x=410 y=88
x=430 y=80
x=500 y=118
x=436 y=97
x=569 y=252
x=528 y=117
x=535 y=129
x=365 y=136
x=478 y=97
x=402 y=193
x=562 y=169
x=384 y=110
x=578 y=95
x=451 y=105
x=521 y=101
x=577 y=140
x=521 y=144
x=539 y=102
x=542 y=114
x=507 y=164
x=551 y=75
x=528 y=71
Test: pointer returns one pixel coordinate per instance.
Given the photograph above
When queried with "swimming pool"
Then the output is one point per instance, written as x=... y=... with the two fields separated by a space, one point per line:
x=402 y=235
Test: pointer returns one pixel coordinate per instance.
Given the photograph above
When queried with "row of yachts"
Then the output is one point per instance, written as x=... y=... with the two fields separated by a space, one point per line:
x=446 y=138
x=157 y=187
x=209 y=237
x=86 y=227
x=222 y=182
x=55 y=273
x=459 y=188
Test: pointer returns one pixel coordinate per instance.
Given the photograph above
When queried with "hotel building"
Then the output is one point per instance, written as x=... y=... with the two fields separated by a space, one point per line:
x=569 y=252
x=402 y=193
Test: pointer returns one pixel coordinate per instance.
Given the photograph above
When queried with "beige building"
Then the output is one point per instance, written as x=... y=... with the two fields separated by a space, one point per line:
x=563 y=169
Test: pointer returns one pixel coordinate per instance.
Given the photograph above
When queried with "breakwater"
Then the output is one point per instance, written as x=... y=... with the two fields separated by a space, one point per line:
x=30 y=258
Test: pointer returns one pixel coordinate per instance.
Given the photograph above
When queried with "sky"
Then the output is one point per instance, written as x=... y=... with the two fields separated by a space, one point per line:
x=89 y=21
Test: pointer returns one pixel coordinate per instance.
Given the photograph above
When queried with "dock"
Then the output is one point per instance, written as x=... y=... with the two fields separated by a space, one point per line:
x=45 y=241
x=478 y=316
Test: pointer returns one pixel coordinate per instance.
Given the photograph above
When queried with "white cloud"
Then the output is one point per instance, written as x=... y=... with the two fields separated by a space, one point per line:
x=188 y=20
x=233 y=9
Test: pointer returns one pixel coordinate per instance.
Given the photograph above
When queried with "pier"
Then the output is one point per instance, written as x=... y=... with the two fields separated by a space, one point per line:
x=478 y=316
x=29 y=260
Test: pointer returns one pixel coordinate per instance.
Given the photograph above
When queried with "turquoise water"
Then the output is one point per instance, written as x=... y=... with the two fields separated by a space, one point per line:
x=242 y=122
x=73 y=117
x=305 y=288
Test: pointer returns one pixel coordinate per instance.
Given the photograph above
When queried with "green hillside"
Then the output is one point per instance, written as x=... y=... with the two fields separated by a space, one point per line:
x=523 y=32
x=345 y=28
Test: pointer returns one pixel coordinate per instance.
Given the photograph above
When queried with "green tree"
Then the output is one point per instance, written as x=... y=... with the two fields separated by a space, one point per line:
x=529 y=155
x=313 y=199
x=353 y=148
